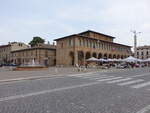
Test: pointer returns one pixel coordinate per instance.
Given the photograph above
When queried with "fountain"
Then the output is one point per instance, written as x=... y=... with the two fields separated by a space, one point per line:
x=30 y=66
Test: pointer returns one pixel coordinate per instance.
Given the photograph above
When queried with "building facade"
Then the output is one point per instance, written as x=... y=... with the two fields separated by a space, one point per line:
x=142 y=52
x=76 y=48
x=43 y=54
x=5 y=51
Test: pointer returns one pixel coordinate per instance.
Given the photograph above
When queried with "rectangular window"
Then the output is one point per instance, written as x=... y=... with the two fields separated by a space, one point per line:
x=147 y=53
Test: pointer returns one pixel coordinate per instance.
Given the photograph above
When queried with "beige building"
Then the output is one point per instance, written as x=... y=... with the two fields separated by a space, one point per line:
x=44 y=54
x=76 y=48
x=142 y=52
x=5 y=51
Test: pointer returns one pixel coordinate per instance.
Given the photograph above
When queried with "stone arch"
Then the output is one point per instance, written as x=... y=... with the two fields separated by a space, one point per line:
x=71 y=55
x=80 y=57
x=100 y=55
x=110 y=56
x=94 y=55
x=118 y=56
x=121 y=56
x=88 y=55
x=105 y=56
x=114 y=56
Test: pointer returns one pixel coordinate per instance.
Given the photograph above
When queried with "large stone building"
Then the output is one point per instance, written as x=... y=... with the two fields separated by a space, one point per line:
x=142 y=52
x=43 y=54
x=76 y=48
x=69 y=50
x=5 y=51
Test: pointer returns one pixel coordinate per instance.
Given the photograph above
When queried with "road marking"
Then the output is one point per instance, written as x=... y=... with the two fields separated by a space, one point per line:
x=130 y=82
x=107 y=79
x=145 y=110
x=46 y=91
x=141 y=85
x=11 y=81
x=18 y=80
x=82 y=74
x=145 y=74
x=93 y=76
x=98 y=78
x=120 y=80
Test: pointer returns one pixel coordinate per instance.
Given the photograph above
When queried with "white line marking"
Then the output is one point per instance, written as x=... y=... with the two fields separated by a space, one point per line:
x=11 y=81
x=93 y=76
x=120 y=80
x=141 y=85
x=98 y=78
x=130 y=82
x=82 y=74
x=145 y=74
x=46 y=91
x=107 y=79
x=145 y=110
x=18 y=80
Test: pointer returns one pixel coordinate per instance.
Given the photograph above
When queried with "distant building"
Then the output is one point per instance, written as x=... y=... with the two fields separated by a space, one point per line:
x=69 y=50
x=76 y=48
x=142 y=52
x=44 y=54
x=5 y=51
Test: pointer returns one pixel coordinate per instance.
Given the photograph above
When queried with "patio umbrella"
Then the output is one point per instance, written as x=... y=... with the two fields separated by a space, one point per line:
x=110 y=60
x=130 y=59
x=115 y=59
x=140 y=60
x=92 y=59
x=147 y=60
x=102 y=60
x=120 y=60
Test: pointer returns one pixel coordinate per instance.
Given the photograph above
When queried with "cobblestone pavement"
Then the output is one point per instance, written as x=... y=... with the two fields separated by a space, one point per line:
x=101 y=92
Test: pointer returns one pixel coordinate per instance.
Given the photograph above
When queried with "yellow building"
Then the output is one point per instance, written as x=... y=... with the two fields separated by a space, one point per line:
x=76 y=48
x=44 y=54
x=5 y=50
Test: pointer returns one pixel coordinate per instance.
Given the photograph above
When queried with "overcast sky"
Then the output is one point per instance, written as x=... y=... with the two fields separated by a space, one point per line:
x=20 y=20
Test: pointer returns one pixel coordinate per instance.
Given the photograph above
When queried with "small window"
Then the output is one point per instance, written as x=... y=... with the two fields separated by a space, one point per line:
x=62 y=45
x=147 y=53
x=142 y=53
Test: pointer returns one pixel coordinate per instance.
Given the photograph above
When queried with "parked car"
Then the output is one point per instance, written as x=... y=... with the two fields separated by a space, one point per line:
x=122 y=66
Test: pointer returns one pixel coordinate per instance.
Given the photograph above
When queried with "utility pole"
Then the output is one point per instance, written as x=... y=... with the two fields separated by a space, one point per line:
x=135 y=40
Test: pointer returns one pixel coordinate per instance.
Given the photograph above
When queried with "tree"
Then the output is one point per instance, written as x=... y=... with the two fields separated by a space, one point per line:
x=36 y=40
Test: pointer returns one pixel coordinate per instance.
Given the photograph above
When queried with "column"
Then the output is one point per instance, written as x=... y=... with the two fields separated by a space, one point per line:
x=84 y=59
x=75 y=58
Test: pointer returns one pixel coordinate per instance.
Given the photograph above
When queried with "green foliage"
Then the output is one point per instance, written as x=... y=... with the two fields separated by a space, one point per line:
x=36 y=40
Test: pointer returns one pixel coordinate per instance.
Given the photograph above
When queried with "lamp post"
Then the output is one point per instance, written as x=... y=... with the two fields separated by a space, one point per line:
x=135 y=40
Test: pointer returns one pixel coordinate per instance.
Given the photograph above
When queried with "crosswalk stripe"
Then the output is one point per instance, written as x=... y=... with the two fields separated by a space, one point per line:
x=90 y=75
x=107 y=79
x=141 y=85
x=98 y=78
x=120 y=80
x=94 y=76
x=130 y=82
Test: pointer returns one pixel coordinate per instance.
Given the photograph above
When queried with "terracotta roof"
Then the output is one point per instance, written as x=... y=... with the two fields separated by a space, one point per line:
x=83 y=33
x=96 y=33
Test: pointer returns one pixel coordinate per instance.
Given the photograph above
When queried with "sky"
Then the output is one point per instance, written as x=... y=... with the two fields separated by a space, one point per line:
x=20 y=20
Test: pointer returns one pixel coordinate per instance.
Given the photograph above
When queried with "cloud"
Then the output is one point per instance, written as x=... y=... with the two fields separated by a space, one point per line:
x=52 y=19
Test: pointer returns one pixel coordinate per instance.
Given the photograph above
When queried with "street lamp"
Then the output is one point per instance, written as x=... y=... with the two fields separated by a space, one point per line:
x=135 y=40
